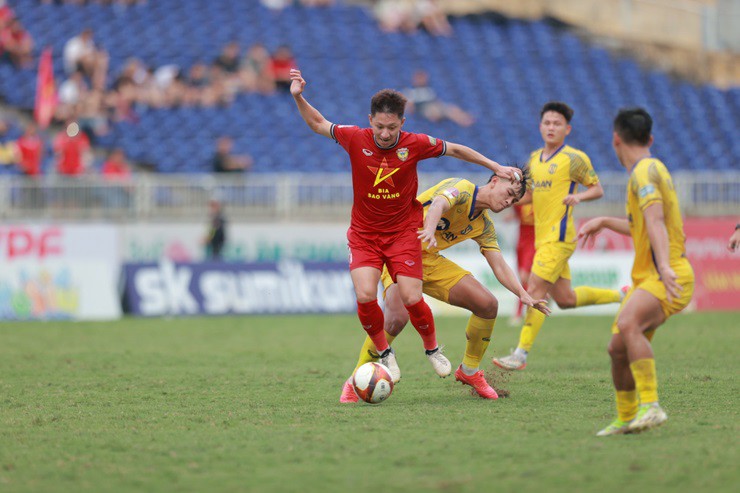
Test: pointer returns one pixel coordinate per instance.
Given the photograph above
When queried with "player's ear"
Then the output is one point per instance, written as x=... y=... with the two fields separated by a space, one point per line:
x=650 y=142
x=370 y=119
x=403 y=120
x=568 y=129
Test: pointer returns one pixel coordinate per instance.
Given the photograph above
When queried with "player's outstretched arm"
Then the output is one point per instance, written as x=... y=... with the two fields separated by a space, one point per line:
x=313 y=118
x=437 y=208
x=465 y=153
x=510 y=281
x=592 y=192
x=591 y=229
x=658 y=235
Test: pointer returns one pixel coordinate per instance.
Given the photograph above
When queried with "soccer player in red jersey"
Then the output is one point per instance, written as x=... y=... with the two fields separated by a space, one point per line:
x=524 y=251
x=386 y=217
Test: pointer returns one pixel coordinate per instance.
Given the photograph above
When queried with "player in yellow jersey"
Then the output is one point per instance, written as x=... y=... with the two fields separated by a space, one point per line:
x=662 y=277
x=557 y=170
x=456 y=210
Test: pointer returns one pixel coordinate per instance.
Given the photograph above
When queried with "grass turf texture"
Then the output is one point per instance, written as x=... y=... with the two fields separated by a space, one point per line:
x=251 y=404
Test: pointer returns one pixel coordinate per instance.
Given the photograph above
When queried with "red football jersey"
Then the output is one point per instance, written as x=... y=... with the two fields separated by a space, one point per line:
x=384 y=180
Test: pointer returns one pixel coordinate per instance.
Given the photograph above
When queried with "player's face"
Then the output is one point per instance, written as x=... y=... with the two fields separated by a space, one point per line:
x=505 y=194
x=386 y=127
x=554 y=128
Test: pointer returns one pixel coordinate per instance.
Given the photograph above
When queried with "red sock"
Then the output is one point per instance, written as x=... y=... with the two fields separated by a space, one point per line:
x=423 y=321
x=372 y=320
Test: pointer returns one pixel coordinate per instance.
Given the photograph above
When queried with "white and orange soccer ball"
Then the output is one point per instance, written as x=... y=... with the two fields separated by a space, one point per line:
x=372 y=382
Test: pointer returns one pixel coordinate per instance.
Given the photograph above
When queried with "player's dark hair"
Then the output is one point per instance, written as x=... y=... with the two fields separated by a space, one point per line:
x=388 y=101
x=558 y=107
x=525 y=181
x=634 y=125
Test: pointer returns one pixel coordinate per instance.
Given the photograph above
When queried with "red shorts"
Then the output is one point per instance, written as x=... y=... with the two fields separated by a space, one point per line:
x=525 y=248
x=400 y=252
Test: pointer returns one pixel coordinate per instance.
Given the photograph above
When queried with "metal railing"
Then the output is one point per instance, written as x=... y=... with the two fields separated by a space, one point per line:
x=285 y=197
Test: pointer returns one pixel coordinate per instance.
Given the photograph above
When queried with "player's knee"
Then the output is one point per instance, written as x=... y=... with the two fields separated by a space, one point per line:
x=487 y=308
x=616 y=351
x=566 y=302
x=410 y=298
x=395 y=322
x=366 y=297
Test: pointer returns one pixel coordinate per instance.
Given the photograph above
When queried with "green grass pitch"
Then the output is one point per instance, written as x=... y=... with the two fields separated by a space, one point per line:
x=251 y=404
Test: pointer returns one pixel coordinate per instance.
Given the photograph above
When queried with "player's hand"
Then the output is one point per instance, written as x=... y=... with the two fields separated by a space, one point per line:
x=296 y=87
x=672 y=288
x=509 y=173
x=589 y=231
x=734 y=241
x=428 y=236
x=540 y=305
x=571 y=200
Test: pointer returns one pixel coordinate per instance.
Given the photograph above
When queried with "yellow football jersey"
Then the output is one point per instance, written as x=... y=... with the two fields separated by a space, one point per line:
x=651 y=183
x=458 y=223
x=552 y=181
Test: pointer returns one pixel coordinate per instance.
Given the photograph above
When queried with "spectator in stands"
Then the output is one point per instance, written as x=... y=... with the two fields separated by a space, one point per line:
x=116 y=169
x=6 y=14
x=16 y=44
x=197 y=84
x=92 y=117
x=734 y=239
x=81 y=53
x=71 y=94
x=432 y=18
x=216 y=238
x=256 y=70
x=72 y=150
x=228 y=62
x=226 y=162
x=31 y=151
x=282 y=62
x=316 y=3
x=423 y=100
x=8 y=148
x=407 y=15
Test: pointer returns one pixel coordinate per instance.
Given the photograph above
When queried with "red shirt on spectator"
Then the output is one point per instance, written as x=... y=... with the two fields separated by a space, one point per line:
x=115 y=169
x=31 y=148
x=70 y=152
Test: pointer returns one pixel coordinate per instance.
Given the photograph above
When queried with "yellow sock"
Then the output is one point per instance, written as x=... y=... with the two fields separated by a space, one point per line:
x=586 y=295
x=626 y=404
x=532 y=324
x=478 y=333
x=368 y=352
x=643 y=371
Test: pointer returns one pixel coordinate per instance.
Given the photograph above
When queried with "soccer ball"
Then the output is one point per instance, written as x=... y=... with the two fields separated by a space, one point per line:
x=372 y=382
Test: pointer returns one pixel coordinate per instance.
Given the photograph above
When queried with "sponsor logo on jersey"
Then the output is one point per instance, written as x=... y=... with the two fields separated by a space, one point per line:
x=383 y=173
x=432 y=140
x=367 y=152
x=646 y=190
x=443 y=224
x=553 y=168
x=410 y=263
x=402 y=153
x=542 y=183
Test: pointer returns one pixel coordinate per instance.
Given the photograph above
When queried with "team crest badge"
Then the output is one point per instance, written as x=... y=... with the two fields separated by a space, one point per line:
x=402 y=153
x=553 y=168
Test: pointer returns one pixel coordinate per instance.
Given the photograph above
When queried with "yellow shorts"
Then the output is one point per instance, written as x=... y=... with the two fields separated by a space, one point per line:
x=655 y=286
x=551 y=260
x=440 y=276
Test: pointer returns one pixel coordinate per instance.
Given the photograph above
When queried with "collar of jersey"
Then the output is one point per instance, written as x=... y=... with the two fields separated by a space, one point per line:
x=398 y=139
x=553 y=154
x=639 y=161
x=472 y=205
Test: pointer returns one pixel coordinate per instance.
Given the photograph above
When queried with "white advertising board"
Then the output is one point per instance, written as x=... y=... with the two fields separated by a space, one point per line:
x=59 y=272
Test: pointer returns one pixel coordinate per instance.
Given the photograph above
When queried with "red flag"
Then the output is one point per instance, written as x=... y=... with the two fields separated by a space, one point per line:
x=46 y=94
